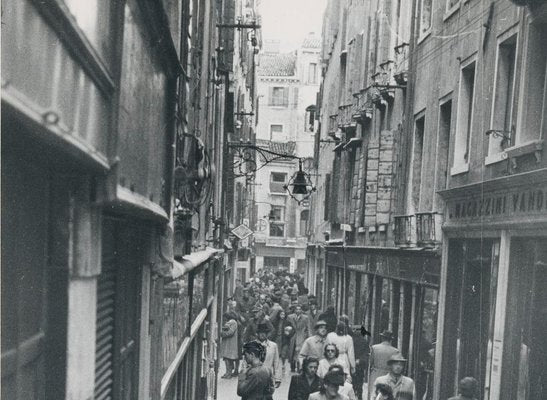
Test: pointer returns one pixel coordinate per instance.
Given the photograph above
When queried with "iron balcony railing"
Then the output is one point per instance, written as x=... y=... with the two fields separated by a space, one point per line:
x=427 y=228
x=403 y=230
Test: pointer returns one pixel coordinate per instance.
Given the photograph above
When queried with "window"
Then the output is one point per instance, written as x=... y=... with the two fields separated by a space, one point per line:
x=465 y=114
x=277 y=181
x=445 y=118
x=418 y=149
x=277 y=263
x=312 y=73
x=304 y=217
x=533 y=107
x=503 y=96
x=95 y=19
x=277 y=221
x=276 y=131
x=310 y=119
x=279 y=97
x=425 y=17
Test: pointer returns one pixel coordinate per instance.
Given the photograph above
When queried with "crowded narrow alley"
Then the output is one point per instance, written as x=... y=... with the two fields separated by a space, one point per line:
x=273 y=200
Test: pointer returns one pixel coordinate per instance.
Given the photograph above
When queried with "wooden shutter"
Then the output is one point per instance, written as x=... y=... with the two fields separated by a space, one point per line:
x=271 y=101
x=106 y=285
x=285 y=101
x=295 y=95
x=327 y=198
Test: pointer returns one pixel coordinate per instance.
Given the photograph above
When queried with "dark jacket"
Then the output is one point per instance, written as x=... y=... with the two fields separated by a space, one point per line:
x=330 y=318
x=256 y=384
x=300 y=389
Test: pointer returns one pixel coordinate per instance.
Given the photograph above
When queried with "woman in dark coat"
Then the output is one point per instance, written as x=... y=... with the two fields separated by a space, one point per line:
x=307 y=382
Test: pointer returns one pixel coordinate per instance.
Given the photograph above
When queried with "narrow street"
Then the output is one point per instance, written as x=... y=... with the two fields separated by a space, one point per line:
x=357 y=188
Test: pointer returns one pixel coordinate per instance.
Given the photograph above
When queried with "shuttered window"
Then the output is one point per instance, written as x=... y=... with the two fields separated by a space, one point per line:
x=278 y=96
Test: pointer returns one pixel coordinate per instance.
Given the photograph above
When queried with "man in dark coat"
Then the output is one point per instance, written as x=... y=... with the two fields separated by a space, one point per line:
x=307 y=382
x=329 y=316
x=256 y=382
x=362 y=351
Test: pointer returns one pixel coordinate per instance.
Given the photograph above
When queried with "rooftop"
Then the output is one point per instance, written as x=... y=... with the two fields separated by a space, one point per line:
x=278 y=64
x=312 y=42
x=278 y=147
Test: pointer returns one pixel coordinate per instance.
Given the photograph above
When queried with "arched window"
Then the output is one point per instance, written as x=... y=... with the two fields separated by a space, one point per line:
x=310 y=118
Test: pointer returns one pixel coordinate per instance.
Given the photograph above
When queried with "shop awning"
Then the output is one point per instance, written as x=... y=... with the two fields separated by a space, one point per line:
x=193 y=260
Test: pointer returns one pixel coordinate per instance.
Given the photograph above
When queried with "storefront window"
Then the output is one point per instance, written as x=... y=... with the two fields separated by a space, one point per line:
x=425 y=343
x=351 y=285
x=524 y=375
x=386 y=301
x=471 y=293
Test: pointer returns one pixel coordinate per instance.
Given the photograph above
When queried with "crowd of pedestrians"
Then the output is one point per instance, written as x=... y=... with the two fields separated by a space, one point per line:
x=274 y=327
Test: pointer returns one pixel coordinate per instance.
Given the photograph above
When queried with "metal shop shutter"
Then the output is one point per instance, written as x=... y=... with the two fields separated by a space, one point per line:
x=106 y=285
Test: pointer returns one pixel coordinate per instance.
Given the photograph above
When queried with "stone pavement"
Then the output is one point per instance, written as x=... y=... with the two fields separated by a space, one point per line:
x=227 y=388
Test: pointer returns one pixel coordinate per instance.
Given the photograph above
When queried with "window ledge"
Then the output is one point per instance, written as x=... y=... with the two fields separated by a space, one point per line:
x=524 y=148
x=534 y=147
x=424 y=35
x=495 y=158
x=459 y=169
x=450 y=12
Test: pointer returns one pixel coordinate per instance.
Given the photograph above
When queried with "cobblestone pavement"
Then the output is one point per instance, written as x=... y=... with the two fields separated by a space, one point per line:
x=227 y=388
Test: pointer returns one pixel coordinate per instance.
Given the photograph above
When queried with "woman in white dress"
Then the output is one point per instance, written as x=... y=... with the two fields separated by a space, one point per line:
x=331 y=354
x=344 y=343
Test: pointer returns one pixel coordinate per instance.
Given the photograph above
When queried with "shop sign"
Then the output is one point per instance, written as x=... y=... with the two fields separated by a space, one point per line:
x=528 y=202
x=242 y=231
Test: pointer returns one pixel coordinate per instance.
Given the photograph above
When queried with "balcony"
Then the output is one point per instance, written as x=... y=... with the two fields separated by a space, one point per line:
x=362 y=106
x=346 y=117
x=428 y=229
x=333 y=124
x=403 y=231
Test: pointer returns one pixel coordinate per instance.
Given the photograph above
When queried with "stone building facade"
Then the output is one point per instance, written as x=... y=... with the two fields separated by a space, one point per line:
x=430 y=214
x=288 y=84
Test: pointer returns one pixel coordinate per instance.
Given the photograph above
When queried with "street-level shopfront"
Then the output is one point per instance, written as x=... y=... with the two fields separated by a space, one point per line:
x=493 y=300
x=315 y=271
x=389 y=289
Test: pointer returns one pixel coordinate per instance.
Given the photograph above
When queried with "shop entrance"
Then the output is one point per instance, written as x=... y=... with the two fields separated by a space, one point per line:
x=524 y=361
x=471 y=293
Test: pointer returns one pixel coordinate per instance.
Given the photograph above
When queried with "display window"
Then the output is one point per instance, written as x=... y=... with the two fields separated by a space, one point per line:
x=524 y=366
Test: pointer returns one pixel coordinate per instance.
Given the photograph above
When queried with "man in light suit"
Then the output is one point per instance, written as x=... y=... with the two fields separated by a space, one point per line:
x=272 y=360
x=301 y=325
x=378 y=361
